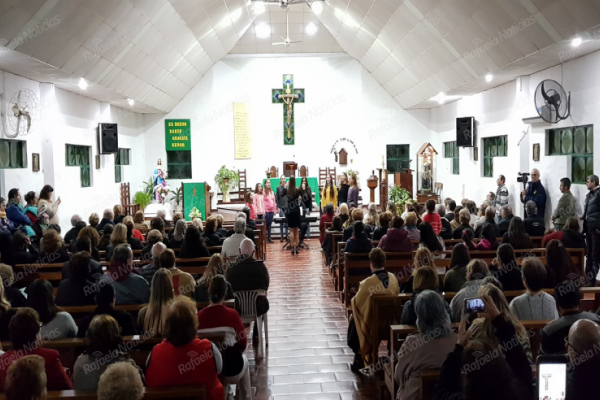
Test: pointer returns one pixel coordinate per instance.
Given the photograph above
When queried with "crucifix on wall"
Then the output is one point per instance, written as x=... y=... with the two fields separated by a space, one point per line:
x=546 y=377
x=288 y=96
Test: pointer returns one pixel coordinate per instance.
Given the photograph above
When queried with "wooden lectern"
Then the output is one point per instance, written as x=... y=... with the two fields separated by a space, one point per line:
x=405 y=180
x=383 y=188
x=290 y=169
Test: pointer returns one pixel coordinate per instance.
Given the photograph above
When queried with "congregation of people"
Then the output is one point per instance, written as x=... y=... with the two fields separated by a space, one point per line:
x=33 y=315
x=492 y=226
x=30 y=234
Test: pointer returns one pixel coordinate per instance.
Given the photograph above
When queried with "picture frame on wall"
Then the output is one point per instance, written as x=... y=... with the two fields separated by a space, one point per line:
x=35 y=162
x=97 y=162
x=536 y=152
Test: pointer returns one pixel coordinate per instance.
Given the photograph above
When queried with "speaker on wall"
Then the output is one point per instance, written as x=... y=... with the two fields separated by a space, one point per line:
x=108 y=138
x=465 y=132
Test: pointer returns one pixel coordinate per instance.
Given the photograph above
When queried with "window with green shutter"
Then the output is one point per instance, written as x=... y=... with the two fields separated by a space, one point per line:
x=496 y=146
x=13 y=154
x=79 y=156
x=451 y=151
x=578 y=142
x=398 y=157
x=179 y=164
x=121 y=158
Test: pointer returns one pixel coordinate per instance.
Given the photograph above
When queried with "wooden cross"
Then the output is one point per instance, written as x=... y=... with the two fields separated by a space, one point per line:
x=546 y=377
x=288 y=96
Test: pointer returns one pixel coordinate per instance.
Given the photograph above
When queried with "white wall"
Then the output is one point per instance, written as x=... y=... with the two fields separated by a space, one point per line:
x=342 y=101
x=68 y=118
x=499 y=112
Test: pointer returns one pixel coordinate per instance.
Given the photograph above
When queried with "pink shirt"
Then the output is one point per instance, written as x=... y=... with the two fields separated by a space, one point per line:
x=259 y=202
x=252 y=208
x=269 y=201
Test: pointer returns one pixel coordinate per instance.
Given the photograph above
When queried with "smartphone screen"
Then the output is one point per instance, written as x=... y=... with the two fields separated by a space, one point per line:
x=552 y=381
x=474 y=306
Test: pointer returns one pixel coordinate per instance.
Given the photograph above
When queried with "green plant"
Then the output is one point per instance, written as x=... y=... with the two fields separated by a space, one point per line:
x=226 y=179
x=399 y=196
x=148 y=187
x=178 y=195
x=142 y=199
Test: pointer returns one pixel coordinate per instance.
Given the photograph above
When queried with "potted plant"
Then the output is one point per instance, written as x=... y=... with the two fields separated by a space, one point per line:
x=178 y=197
x=268 y=174
x=226 y=179
x=195 y=213
x=142 y=199
x=399 y=196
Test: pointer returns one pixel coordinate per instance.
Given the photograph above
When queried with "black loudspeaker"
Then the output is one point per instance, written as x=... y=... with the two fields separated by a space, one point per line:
x=465 y=132
x=108 y=138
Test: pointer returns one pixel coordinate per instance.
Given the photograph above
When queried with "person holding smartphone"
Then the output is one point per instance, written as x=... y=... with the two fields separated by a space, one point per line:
x=507 y=377
x=47 y=206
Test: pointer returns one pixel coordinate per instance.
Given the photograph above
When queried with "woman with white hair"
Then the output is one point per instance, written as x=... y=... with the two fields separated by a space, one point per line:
x=427 y=348
x=197 y=222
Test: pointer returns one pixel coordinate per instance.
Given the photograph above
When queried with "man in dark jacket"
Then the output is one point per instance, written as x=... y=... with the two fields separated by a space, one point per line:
x=490 y=219
x=105 y=299
x=507 y=216
x=583 y=370
x=535 y=192
x=591 y=228
x=568 y=298
x=72 y=233
x=95 y=268
x=248 y=273
x=446 y=232
x=451 y=208
x=107 y=218
x=534 y=223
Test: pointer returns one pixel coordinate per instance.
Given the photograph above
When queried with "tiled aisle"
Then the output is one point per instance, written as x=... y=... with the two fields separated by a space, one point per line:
x=307 y=357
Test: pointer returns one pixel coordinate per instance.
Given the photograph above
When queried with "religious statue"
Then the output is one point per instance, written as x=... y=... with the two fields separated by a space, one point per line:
x=159 y=177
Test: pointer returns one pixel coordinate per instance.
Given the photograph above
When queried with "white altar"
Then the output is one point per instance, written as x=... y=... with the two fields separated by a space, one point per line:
x=153 y=208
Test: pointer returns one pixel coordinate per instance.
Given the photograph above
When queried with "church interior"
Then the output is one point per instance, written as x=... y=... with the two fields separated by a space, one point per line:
x=397 y=112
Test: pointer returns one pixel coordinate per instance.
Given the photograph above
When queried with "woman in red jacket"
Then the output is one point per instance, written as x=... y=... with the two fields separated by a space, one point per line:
x=217 y=317
x=182 y=358
x=327 y=217
x=24 y=330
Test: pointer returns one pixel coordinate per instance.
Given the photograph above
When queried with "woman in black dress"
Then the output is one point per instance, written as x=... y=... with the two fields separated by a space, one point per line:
x=292 y=213
x=343 y=190
x=307 y=201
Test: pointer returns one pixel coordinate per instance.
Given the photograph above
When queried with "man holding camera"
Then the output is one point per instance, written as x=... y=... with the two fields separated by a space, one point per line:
x=591 y=228
x=535 y=192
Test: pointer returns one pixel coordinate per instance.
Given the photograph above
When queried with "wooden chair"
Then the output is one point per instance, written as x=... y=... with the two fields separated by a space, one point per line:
x=242 y=184
x=323 y=176
x=303 y=171
x=274 y=172
x=332 y=172
x=437 y=188
x=128 y=207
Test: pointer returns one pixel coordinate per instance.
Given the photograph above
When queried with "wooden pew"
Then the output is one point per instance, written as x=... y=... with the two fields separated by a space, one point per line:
x=188 y=392
x=79 y=312
x=138 y=347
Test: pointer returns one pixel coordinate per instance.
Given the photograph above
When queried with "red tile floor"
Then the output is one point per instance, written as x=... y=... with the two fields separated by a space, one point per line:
x=307 y=357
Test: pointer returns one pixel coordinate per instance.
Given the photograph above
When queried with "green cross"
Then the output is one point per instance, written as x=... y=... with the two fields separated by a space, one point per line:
x=288 y=96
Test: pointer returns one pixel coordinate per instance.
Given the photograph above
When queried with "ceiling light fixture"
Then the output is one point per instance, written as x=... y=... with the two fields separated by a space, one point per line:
x=311 y=29
x=576 y=42
x=82 y=84
x=263 y=30
x=489 y=77
x=317 y=7
x=441 y=97
x=259 y=7
x=131 y=101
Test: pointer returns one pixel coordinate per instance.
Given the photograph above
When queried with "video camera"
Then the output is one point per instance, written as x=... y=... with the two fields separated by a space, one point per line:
x=523 y=177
